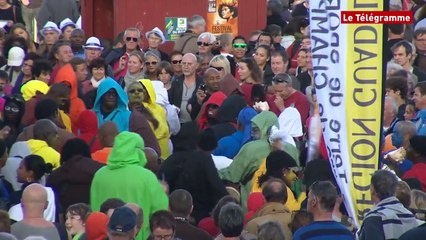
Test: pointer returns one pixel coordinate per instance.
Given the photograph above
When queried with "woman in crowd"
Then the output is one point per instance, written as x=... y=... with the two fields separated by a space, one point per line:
x=97 y=68
x=165 y=74
x=26 y=71
x=249 y=71
x=67 y=26
x=14 y=109
x=155 y=39
x=19 y=30
x=135 y=67
x=152 y=60
x=205 y=42
x=262 y=56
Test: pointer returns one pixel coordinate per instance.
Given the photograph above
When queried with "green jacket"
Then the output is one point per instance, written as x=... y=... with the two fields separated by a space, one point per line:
x=126 y=178
x=250 y=156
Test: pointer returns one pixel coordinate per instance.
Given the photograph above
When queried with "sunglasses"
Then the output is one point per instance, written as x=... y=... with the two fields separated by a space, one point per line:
x=177 y=61
x=282 y=78
x=217 y=68
x=239 y=45
x=151 y=63
x=139 y=90
x=11 y=109
x=204 y=44
x=128 y=39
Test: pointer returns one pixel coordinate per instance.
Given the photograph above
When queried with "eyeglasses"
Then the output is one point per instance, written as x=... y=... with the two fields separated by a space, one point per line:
x=151 y=63
x=217 y=68
x=177 y=61
x=239 y=45
x=11 y=109
x=139 y=90
x=282 y=78
x=128 y=39
x=204 y=44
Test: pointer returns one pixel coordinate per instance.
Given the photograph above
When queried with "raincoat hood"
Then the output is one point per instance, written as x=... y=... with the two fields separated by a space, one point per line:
x=290 y=122
x=147 y=84
x=229 y=85
x=161 y=92
x=30 y=89
x=128 y=149
x=244 y=118
x=67 y=75
x=121 y=114
x=87 y=122
x=264 y=121
x=216 y=98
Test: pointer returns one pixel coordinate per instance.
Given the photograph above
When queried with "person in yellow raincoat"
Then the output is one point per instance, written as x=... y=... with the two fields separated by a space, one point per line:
x=162 y=132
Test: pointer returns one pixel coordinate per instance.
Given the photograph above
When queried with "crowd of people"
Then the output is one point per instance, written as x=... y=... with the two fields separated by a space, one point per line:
x=208 y=141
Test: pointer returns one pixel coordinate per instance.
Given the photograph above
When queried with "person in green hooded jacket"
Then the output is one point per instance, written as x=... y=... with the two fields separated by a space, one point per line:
x=251 y=155
x=126 y=178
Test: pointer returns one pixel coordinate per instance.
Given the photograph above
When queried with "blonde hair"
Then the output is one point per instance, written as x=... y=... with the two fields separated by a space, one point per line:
x=418 y=201
x=223 y=61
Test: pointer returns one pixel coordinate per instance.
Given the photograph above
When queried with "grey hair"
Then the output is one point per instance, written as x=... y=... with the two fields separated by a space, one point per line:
x=392 y=66
x=8 y=236
x=393 y=104
x=270 y=231
x=34 y=238
x=210 y=36
x=231 y=220
x=223 y=61
x=152 y=54
x=196 y=20
x=406 y=127
x=132 y=29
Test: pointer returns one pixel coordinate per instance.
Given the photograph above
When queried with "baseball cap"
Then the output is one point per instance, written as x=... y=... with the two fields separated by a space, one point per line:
x=93 y=42
x=122 y=220
x=15 y=57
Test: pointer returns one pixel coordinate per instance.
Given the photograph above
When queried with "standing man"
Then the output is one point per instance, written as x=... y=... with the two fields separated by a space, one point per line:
x=50 y=33
x=118 y=57
x=403 y=54
x=321 y=200
x=184 y=88
x=61 y=54
x=92 y=50
x=187 y=42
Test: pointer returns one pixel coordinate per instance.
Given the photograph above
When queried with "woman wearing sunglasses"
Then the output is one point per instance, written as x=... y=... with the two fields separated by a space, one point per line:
x=152 y=61
x=14 y=108
x=205 y=42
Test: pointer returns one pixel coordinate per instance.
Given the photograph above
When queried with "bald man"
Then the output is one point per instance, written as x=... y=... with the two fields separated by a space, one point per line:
x=184 y=88
x=139 y=215
x=106 y=135
x=34 y=201
x=44 y=142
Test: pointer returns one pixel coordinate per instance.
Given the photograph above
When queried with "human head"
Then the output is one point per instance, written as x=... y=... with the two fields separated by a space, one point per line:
x=228 y=10
x=274 y=7
x=397 y=88
x=239 y=47
x=162 y=225
x=402 y=133
x=46 y=108
x=180 y=203
x=189 y=64
x=410 y=111
x=420 y=95
x=34 y=201
x=61 y=52
x=60 y=92
x=392 y=68
x=278 y=165
x=109 y=205
x=271 y=231
x=77 y=38
x=262 y=55
x=74 y=147
x=203 y=60
x=418 y=202
x=419 y=39
x=98 y=68
x=41 y=70
x=139 y=215
x=231 y=220
x=301 y=57
x=383 y=184
x=416 y=151
x=32 y=168
x=28 y=64
x=197 y=24
x=225 y=42
x=282 y=84
x=76 y=216
x=279 y=62
x=275 y=190
x=300 y=219
x=221 y=63
x=50 y=33
x=122 y=224
x=176 y=61
x=205 y=42
x=165 y=72
x=106 y=134
x=322 y=197
x=132 y=38
x=219 y=205
x=135 y=63
x=403 y=193
x=390 y=110
x=46 y=130
x=136 y=93
x=19 y=30
x=14 y=109
x=249 y=70
x=265 y=39
x=4 y=221
x=212 y=80
x=151 y=61
x=92 y=49
x=67 y=26
x=96 y=226
x=155 y=38
x=80 y=68
x=402 y=53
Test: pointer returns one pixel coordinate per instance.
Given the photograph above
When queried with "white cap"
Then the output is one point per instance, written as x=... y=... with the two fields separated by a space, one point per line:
x=15 y=57
x=65 y=23
x=50 y=26
x=157 y=31
x=93 y=42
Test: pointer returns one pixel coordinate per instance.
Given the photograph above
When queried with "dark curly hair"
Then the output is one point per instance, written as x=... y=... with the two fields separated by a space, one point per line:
x=232 y=9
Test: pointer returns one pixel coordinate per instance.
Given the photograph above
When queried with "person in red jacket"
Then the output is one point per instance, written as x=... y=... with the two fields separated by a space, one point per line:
x=416 y=152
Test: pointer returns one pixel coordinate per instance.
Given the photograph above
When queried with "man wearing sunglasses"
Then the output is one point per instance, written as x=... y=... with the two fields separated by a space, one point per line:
x=118 y=57
x=187 y=42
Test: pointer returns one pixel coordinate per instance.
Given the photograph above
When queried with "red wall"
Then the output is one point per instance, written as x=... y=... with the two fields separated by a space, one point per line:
x=106 y=18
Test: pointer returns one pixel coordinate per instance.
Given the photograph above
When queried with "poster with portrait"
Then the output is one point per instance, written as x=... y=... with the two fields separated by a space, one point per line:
x=222 y=17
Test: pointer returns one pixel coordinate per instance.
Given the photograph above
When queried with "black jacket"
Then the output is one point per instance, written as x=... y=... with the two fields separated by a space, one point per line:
x=176 y=90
